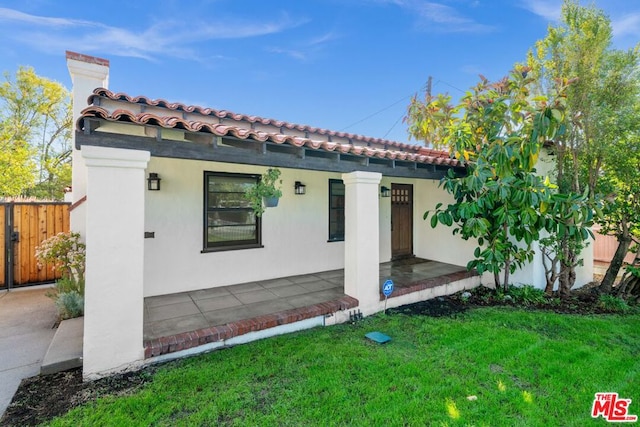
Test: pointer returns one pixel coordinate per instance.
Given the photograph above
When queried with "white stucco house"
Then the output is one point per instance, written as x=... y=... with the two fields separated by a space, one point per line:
x=197 y=233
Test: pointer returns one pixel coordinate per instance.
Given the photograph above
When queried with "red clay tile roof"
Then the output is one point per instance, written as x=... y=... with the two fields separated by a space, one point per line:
x=370 y=147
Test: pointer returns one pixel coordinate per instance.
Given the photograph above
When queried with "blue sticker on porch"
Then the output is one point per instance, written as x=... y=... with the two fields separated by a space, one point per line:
x=378 y=337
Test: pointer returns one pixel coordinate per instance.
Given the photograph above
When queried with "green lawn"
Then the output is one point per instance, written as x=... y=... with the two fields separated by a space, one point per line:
x=525 y=368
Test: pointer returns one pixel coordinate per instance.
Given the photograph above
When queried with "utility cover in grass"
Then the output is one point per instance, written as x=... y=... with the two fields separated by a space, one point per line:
x=378 y=337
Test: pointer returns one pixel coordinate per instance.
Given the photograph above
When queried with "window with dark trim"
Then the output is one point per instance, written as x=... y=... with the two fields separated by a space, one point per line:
x=229 y=220
x=336 y=210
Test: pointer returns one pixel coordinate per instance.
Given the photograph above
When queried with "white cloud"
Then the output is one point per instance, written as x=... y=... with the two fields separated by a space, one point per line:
x=169 y=38
x=547 y=9
x=324 y=38
x=624 y=28
x=293 y=53
x=438 y=17
x=10 y=15
x=627 y=26
x=306 y=50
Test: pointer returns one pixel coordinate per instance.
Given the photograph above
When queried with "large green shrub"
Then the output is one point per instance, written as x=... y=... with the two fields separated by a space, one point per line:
x=70 y=305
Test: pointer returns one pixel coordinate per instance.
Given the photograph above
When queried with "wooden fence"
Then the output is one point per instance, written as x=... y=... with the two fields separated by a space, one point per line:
x=605 y=247
x=23 y=226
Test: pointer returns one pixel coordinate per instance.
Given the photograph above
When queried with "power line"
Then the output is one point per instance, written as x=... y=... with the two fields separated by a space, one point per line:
x=394 y=125
x=376 y=113
x=427 y=87
x=450 y=85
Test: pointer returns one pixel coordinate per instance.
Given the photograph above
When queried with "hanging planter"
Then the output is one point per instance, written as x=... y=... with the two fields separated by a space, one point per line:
x=270 y=202
x=266 y=192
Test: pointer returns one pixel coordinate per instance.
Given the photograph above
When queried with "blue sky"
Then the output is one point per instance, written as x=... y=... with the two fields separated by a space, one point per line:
x=345 y=65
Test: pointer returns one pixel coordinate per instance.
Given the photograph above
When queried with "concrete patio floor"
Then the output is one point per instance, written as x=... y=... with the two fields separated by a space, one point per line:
x=173 y=314
x=188 y=311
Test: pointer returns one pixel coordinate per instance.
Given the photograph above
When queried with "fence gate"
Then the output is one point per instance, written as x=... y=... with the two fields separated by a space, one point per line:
x=23 y=226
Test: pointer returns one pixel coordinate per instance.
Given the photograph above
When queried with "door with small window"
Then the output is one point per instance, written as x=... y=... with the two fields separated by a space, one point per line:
x=401 y=220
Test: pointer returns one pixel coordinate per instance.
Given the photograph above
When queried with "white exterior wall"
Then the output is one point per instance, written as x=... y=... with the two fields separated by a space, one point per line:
x=531 y=273
x=435 y=244
x=438 y=244
x=584 y=274
x=384 y=218
x=294 y=234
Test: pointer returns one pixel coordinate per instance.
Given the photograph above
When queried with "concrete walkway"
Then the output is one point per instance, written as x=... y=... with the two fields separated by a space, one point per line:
x=27 y=317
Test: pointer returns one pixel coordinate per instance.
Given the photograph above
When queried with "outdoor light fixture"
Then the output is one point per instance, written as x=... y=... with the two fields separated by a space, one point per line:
x=300 y=188
x=153 y=182
x=385 y=191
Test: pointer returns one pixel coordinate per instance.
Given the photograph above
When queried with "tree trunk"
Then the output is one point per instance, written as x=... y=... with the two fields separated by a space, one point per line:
x=572 y=274
x=629 y=285
x=551 y=281
x=550 y=272
x=564 y=286
x=563 y=277
x=629 y=288
x=567 y=272
x=496 y=281
x=507 y=266
x=624 y=240
x=507 y=261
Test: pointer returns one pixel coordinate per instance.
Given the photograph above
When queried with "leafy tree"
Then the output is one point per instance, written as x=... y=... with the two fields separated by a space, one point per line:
x=569 y=218
x=606 y=83
x=620 y=183
x=35 y=136
x=16 y=163
x=498 y=132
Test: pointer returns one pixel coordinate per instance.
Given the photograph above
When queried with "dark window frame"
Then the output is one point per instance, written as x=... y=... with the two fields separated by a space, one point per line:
x=333 y=235
x=228 y=245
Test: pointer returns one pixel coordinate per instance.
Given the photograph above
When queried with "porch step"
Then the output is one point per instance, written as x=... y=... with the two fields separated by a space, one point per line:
x=65 y=350
x=433 y=282
x=187 y=340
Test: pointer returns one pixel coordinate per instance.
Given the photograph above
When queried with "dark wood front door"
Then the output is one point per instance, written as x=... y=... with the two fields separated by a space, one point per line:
x=401 y=220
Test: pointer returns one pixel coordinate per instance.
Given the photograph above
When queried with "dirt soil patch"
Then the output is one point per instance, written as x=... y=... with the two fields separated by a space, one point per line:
x=42 y=398
x=436 y=307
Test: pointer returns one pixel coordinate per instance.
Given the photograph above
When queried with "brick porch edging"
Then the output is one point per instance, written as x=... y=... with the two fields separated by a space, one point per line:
x=430 y=283
x=165 y=345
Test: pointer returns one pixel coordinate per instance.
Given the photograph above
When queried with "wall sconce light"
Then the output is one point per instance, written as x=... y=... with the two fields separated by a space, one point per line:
x=385 y=191
x=300 y=188
x=153 y=182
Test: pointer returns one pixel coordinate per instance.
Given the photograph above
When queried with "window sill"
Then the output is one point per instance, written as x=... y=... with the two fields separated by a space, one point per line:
x=335 y=240
x=231 y=248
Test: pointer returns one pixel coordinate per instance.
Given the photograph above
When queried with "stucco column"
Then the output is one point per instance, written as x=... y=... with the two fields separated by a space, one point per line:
x=114 y=308
x=361 y=245
x=87 y=73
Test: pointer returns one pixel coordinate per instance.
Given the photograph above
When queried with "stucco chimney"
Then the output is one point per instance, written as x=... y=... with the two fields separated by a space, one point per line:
x=87 y=73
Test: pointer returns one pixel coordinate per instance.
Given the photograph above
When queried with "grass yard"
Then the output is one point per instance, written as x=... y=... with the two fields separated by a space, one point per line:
x=526 y=368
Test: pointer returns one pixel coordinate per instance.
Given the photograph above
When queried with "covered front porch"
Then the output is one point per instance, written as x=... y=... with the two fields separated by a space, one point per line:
x=182 y=321
x=145 y=241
